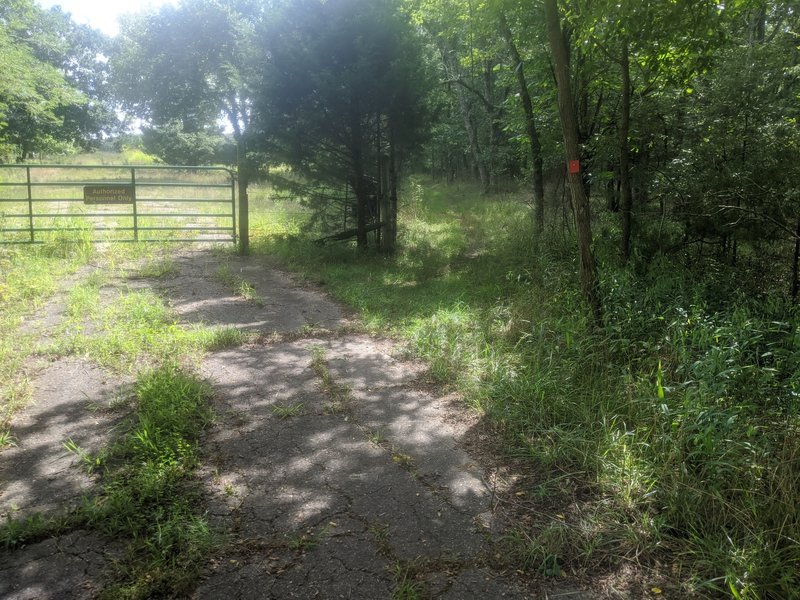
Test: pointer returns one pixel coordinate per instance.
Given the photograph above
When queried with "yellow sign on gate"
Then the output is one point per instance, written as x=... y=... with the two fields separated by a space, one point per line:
x=108 y=194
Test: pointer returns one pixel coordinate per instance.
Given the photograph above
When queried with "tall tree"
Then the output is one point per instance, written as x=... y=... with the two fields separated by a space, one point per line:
x=535 y=145
x=192 y=65
x=569 y=125
x=52 y=81
x=343 y=91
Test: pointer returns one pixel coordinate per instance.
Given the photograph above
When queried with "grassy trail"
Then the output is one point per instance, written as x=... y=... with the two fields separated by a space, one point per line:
x=671 y=432
x=667 y=439
x=146 y=497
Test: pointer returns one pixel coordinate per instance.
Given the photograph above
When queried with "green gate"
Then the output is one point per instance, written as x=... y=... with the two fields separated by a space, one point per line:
x=117 y=203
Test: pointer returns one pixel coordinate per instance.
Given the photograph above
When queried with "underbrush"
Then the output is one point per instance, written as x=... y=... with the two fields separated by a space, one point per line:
x=677 y=420
x=148 y=498
x=29 y=275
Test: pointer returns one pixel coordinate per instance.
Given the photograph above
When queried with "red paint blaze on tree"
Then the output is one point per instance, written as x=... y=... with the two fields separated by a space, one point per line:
x=569 y=126
x=574 y=167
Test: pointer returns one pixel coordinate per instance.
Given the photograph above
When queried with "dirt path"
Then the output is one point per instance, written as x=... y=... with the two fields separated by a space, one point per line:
x=334 y=468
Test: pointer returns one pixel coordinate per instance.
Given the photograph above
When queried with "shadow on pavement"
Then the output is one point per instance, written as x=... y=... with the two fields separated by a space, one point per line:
x=200 y=296
x=39 y=474
x=324 y=478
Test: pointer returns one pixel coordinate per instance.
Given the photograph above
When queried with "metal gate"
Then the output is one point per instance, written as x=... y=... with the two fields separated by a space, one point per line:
x=140 y=203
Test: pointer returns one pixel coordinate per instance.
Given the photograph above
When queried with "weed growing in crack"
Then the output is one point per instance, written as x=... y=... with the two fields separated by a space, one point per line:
x=319 y=365
x=284 y=412
x=334 y=407
x=6 y=439
x=377 y=437
x=404 y=460
x=238 y=285
x=406 y=585
x=304 y=542
x=339 y=394
x=159 y=268
x=90 y=462
x=301 y=543
x=380 y=531
x=226 y=337
x=308 y=329
x=120 y=401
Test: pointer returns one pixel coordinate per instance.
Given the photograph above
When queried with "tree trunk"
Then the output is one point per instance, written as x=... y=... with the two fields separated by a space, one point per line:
x=796 y=264
x=474 y=145
x=380 y=197
x=626 y=191
x=391 y=217
x=612 y=189
x=493 y=130
x=359 y=189
x=569 y=125
x=530 y=124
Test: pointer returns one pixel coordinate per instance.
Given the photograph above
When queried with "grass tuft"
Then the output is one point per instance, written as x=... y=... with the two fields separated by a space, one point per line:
x=238 y=285
x=148 y=496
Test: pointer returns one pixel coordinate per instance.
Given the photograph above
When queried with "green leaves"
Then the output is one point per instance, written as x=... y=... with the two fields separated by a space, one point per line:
x=51 y=81
x=182 y=69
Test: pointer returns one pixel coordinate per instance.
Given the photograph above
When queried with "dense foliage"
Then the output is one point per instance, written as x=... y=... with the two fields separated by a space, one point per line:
x=53 y=82
x=343 y=97
x=666 y=439
x=686 y=118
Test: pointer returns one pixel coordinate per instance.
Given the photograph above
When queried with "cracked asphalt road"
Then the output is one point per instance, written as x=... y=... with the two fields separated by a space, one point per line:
x=318 y=497
x=374 y=487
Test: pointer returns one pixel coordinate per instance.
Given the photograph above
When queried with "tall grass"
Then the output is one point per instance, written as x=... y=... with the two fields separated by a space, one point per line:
x=679 y=418
x=28 y=277
x=148 y=498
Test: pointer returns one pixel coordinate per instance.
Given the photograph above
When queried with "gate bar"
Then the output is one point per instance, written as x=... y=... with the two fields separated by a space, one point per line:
x=30 y=202
x=30 y=185
x=135 y=220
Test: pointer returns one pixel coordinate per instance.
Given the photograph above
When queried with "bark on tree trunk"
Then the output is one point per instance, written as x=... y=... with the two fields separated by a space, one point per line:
x=493 y=133
x=362 y=200
x=474 y=145
x=379 y=182
x=572 y=149
x=624 y=155
x=391 y=217
x=796 y=264
x=530 y=124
